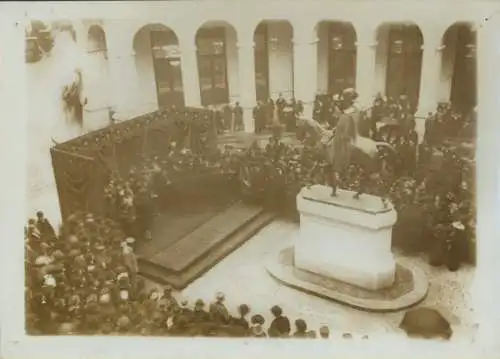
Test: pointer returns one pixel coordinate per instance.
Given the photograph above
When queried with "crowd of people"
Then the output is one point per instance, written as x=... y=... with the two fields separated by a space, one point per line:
x=84 y=280
x=431 y=184
x=228 y=118
x=282 y=112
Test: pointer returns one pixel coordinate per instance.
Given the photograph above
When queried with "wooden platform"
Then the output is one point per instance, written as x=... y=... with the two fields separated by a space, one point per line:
x=200 y=244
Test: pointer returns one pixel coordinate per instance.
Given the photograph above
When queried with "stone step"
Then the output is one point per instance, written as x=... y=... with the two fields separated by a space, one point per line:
x=193 y=246
x=211 y=254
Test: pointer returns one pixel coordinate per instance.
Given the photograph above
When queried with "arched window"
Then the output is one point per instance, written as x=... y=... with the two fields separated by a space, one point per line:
x=38 y=41
x=341 y=57
x=404 y=62
x=212 y=65
x=167 y=67
x=97 y=41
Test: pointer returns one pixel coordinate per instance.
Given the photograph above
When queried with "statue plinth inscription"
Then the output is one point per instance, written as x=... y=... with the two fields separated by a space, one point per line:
x=345 y=238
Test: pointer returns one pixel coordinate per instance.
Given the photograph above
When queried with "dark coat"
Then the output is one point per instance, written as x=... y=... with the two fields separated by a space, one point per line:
x=280 y=327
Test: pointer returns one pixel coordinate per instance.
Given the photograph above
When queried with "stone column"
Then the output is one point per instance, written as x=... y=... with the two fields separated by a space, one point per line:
x=430 y=76
x=305 y=72
x=365 y=72
x=248 y=96
x=190 y=75
x=123 y=72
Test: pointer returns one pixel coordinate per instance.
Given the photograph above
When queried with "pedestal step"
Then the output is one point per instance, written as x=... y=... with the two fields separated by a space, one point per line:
x=196 y=253
x=409 y=287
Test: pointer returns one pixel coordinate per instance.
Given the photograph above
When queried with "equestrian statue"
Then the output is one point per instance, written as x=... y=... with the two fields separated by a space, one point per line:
x=342 y=146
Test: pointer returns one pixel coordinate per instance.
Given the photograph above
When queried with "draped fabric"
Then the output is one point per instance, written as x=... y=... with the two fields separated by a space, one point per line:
x=82 y=166
x=74 y=180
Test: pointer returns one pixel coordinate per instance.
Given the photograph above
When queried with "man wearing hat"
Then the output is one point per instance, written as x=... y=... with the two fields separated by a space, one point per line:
x=218 y=310
x=256 y=329
x=129 y=258
x=44 y=226
x=168 y=301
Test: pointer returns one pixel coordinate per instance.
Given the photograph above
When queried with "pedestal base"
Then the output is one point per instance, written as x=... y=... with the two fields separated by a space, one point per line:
x=345 y=238
x=409 y=288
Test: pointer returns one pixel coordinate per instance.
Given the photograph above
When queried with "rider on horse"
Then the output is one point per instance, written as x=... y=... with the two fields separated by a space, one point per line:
x=344 y=145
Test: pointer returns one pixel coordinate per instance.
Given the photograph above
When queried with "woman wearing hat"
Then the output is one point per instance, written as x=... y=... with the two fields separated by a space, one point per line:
x=218 y=310
x=199 y=313
x=256 y=330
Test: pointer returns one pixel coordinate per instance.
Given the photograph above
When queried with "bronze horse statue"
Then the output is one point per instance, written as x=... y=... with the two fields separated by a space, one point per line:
x=366 y=153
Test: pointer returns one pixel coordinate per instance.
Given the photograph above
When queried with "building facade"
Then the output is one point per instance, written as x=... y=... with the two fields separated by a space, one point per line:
x=145 y=55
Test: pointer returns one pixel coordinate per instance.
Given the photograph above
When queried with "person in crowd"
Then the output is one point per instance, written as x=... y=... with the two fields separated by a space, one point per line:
x=377 y=113
x=269 y=112
x=238 y=118
x=324 y=332
x=280 y=326
x=219 y=121
x=300 y=329
x=130 y=259
x=218 y=310
x=33 y=233
x=311 y=334
x=299 y=108
x=280 y=103
x=199 y=313
x=184 y=309
x=44 y=226
x=241 y=321
x=168 y=301
x=256 y=330
x=318 y=110
x=258 y=116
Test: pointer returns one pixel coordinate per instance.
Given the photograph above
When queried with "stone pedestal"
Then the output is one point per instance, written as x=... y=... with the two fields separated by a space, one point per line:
x=344 y=238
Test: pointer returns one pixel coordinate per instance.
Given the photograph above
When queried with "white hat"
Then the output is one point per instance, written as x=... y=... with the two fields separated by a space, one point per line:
x=129 y=240
x=105 y=298
x=43 y=260
x=49 y=280
x=124 y=294
x=122 y=275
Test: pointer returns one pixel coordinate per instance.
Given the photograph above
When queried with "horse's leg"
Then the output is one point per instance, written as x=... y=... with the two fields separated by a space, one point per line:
x=384 y=201
x=312 y=173
x=332 y=178
x=362 y=185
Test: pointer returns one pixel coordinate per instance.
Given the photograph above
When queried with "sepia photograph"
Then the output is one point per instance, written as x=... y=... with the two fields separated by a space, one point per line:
x=254 y=170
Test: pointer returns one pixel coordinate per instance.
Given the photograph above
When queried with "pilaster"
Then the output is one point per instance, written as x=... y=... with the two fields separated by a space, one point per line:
x=123 y=70
x=366 y=50
x=246 y=67
x=305 y=70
